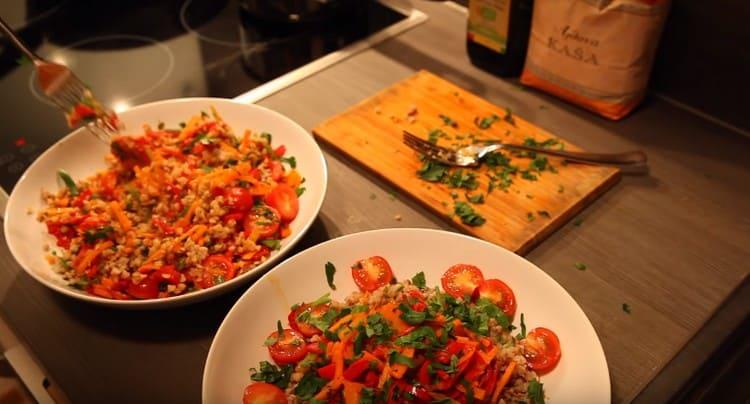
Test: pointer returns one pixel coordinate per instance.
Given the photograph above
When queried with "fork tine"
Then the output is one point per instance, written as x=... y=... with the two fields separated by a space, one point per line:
x=426 y=144
x=417 y=146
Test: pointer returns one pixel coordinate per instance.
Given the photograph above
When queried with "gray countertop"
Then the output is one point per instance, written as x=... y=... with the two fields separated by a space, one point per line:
x=673 y=245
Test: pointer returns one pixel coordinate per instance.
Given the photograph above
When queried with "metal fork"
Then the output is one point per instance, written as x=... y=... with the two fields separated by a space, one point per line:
x=471 y=156
x=61 y=86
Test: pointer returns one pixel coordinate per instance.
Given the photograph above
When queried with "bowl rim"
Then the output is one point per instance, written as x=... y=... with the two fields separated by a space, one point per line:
x=186 y=298
x=210 y=358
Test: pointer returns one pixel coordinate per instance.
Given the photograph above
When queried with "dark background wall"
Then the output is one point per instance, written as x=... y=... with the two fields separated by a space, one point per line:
x=704 y=58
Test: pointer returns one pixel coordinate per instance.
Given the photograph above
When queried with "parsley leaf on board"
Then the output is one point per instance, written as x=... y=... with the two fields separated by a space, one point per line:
x=432 y=171
x=467 y=214
x=486 y=122
x=580 y=266
x=626 y=308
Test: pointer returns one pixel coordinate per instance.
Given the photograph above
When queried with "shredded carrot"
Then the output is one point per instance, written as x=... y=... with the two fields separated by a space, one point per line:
x=337 y=357
x=198 y=233
x=503 y=381
x=384 y=376
x=185 y=220
x=352 y=391
x=117 y=211
x=91 y=256
x=372 y=358
x=343 y=320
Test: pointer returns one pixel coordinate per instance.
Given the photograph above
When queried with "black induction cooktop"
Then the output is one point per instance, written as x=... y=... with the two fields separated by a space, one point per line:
x=135 y=51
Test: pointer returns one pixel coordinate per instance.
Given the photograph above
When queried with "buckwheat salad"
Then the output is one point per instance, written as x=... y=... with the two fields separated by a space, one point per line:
x=395 y=342
x=176 y=210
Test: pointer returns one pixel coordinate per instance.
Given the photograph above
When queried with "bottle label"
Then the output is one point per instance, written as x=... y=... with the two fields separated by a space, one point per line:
x=488 y=23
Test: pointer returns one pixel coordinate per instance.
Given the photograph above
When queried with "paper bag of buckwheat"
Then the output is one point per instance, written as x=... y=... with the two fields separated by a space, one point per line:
x=594 y=53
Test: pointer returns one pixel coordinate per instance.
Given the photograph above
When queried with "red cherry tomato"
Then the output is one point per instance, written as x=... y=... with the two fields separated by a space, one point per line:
x=238 y=199
x=277 y=170
x=238 y=217
x=263 y=219
x=147 y=288
x=263 y=393
x=216 y=269
x=169 y=274
x=308 y=330
x=327 y=372
x=371 y=273
x=284 y=199
x=460 y=280
x=541 y=349
x=499 y=293
x=290 y=348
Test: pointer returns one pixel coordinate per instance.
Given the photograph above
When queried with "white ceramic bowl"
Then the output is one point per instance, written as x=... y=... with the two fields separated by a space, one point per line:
x=580 y=377
x=81 y=155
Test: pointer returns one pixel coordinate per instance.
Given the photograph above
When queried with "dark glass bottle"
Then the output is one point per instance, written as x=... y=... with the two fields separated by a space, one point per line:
x=498 y=34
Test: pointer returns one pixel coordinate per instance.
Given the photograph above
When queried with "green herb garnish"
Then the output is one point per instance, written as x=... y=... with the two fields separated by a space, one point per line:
x=580 y=266
x=69 y=183
x=271 y=243
x=419 y=280
x=330 y=272
x=535 y=392
x=269 y=373
x=467 y=214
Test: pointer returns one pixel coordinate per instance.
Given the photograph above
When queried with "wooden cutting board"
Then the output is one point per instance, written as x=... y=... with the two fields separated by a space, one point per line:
x=518 y=217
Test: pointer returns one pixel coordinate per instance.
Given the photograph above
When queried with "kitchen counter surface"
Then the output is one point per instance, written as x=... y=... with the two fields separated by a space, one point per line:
x=673 y=245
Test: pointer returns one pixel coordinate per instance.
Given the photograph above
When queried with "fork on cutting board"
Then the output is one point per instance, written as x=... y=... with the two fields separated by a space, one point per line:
x=62 y=87
x=471 y=156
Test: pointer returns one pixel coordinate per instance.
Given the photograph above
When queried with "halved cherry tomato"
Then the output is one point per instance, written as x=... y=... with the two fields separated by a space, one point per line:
x=541 y=349
x=263 y=219
x=499 y=293
x=460 y=280
x=308 y=330
x=217 y=269
x=263 y=393
x=238 y=217
x=262 y=252
x=290 y=348
x=371 y=273
x=238 y=199
x=285 y=200
x=277 y=170
x=147 y=288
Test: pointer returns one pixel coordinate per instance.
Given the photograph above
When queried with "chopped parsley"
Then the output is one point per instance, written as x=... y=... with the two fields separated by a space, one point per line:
x=69 y=183
x=377 y=326
x=530 y=216
x=421 y=338
x=626 y=308
x=463 y=179
x=431 y=171
x=535 y=392
x=309 y=386
x=269 y=373
x=299 y=191
x=91 y=236
x=434 y=135
x=486 y=122
x=560 y=189
x=522 y=334
x=395 y=358
x=580 y=266
x=467 y=214
x=291 y=160
x=410 y=316
x=577 y=222
x=475 y=199
x=330 y=272
x=448 y=121
x=419 y=280
x=543 y=213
